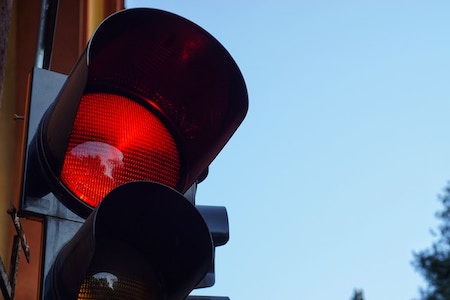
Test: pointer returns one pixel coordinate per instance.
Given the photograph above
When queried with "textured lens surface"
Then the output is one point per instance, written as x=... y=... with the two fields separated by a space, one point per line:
x=116 y=140
x=104 y=285
x=119 y=271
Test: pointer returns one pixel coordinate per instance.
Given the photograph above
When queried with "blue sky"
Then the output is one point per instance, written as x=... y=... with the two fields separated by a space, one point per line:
x=332 y=180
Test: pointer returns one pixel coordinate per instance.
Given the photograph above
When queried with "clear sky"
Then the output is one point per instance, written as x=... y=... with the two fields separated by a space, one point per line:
x=332 y=180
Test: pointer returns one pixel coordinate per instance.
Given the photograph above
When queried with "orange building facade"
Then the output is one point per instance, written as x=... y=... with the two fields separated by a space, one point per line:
x=76 y=20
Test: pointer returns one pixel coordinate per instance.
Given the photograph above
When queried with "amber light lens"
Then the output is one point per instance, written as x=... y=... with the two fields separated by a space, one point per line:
x=116 y=140
x=107 y=286
x=118 y=272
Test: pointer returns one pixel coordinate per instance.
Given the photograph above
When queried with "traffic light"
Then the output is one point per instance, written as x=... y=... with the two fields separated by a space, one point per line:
x=148 y=106
x=159 y=251
x=150 y=87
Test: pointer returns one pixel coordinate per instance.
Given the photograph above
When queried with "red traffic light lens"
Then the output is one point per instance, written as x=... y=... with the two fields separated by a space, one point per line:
x=116 y=140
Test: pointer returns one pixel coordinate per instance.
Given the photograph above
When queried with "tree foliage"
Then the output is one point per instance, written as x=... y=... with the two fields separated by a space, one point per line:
x=434 y=263
x=357 y=295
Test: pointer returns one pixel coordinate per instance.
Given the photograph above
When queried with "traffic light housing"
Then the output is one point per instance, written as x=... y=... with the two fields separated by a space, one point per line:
x=150 y=103
x=151 y=86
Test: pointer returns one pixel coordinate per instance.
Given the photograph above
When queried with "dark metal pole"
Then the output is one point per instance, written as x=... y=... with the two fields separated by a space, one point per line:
x=5 y=20
x=46 y=33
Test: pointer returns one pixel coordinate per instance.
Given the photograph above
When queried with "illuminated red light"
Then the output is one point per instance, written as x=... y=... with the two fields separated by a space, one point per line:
x=116 y=140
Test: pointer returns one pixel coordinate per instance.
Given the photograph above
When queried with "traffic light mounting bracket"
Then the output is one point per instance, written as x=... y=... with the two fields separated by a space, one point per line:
x=44 y=87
